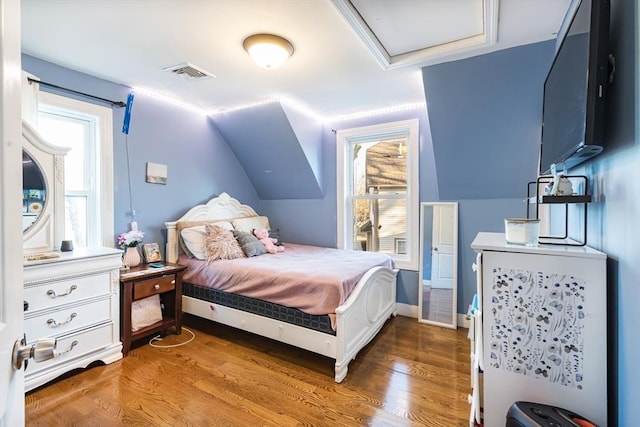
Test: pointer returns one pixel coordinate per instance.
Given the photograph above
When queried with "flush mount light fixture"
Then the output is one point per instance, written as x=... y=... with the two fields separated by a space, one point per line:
x=268 y=50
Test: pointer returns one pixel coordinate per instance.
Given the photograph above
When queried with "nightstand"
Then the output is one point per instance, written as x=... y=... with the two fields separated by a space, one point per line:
x=141 y=282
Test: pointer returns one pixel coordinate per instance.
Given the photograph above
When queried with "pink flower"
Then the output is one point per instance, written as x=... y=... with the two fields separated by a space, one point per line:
x=130 y=239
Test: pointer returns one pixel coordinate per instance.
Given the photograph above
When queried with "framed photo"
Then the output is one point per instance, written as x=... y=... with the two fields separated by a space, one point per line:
x=151 y=252
x=156 y=173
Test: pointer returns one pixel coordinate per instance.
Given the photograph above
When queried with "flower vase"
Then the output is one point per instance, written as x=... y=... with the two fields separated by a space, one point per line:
x=131 y=256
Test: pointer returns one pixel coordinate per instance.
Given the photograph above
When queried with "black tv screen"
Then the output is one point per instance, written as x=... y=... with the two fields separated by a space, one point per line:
x=575 y=89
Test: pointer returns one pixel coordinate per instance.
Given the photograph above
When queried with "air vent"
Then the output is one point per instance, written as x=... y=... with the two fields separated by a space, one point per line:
x=188 y=71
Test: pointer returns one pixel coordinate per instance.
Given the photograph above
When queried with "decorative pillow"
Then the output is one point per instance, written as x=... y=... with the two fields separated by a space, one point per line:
x=192 y=239
x=249 y=243
x=248 y=224
x=220 y=244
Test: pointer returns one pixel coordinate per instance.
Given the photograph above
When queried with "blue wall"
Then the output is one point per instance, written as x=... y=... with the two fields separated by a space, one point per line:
x=485 y=121
x=200 y=163
x=615 y=212
x=273 y=144
x=485 y=116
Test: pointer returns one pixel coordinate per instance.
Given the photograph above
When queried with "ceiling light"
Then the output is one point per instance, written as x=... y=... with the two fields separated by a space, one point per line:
x=268 y=50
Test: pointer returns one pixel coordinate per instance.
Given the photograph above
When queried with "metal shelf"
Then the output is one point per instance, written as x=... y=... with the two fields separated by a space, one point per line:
x=565 y=199
x=540 y=199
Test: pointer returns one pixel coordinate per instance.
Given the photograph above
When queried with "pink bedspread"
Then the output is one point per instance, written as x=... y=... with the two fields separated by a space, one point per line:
x=313 y=279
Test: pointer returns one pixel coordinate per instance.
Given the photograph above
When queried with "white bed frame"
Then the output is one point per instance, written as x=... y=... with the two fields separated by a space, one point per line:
x=358 y=320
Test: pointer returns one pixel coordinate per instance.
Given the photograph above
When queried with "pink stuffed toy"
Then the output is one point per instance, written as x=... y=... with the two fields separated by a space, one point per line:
x=269 y=243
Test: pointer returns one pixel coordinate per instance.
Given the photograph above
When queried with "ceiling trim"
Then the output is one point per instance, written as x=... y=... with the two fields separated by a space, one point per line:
x=489 y=37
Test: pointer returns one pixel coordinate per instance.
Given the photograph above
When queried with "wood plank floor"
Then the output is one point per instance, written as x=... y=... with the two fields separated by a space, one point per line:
x=412 y=374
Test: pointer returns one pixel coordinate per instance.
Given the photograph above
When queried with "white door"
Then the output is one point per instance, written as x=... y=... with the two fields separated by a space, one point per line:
x=442 y=247
x=11 y=300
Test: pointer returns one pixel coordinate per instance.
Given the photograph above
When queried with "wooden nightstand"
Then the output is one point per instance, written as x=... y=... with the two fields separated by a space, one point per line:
x=141 y=282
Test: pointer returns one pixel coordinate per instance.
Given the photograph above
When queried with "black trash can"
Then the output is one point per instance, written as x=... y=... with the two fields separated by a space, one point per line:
x=529 y=414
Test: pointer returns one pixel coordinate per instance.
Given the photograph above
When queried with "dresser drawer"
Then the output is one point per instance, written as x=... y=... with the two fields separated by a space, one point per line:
x=54 y=293
x=53 y=323
x=74 y=346
x=154 y=286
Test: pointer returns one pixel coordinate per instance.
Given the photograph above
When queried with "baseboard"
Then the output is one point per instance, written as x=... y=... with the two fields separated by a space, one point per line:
x=412 y=311
x=407 y=310
x=463 y=321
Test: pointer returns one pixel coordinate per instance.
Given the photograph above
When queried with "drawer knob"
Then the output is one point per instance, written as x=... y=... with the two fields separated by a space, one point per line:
x=156 y=286
x=52 y=323
x=51 y=293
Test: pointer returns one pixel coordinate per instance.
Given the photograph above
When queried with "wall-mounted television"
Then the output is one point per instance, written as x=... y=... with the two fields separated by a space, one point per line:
x=573 y=114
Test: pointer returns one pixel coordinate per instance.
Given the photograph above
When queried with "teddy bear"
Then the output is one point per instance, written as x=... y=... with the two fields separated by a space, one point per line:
x=269 y=243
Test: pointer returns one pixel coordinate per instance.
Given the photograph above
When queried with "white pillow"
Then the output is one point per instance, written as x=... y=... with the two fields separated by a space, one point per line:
x=250 y=223
x=193 y=238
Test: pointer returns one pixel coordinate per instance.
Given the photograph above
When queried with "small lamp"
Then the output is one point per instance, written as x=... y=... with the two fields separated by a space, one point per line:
x=268 y=50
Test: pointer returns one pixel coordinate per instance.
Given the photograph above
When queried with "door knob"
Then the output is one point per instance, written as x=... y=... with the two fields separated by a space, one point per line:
x=39 y=351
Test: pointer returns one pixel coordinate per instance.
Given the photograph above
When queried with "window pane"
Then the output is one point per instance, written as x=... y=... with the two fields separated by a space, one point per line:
x=362 y=224
x=380 y=167
x=75 y=224
x=380 y=225
x=67 y=132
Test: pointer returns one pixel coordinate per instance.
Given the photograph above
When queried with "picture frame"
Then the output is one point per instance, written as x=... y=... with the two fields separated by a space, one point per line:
x=156 y=173
x=152 y=252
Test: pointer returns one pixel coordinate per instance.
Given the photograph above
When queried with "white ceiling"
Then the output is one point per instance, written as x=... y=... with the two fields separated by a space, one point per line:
x=350 y=56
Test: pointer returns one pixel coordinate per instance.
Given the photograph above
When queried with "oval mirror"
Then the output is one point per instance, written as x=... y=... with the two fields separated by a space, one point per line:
x=438 y=280
x=34 y=191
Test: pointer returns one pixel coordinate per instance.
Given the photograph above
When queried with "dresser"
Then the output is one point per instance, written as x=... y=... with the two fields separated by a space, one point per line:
x=540 y=329
x=73 y=298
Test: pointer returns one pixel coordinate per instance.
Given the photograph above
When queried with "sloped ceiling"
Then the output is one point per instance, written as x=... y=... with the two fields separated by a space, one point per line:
x=274 y=144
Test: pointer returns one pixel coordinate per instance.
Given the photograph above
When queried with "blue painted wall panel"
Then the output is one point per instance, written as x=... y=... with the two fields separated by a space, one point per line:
x=263 y=140
x=308 y=130
x=485 y=115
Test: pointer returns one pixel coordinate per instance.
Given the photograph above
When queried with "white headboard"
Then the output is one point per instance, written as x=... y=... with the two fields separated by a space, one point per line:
x=223 y=207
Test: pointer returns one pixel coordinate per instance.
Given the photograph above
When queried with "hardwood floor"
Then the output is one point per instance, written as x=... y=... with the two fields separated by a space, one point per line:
x=412 y=374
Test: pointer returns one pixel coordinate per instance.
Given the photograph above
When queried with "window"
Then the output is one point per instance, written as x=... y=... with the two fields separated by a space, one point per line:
x=378 y=190
x=87 y=130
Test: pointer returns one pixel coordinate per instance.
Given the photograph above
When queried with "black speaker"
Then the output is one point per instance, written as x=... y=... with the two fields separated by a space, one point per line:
x=529 y=414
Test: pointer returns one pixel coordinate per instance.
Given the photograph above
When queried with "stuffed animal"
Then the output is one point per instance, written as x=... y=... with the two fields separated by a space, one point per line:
x=269 y=243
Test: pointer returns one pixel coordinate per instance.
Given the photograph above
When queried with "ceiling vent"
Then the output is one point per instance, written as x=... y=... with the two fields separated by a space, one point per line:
x=188 y=71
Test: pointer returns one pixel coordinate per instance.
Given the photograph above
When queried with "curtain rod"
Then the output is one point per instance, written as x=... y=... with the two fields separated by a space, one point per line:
x=116 y=103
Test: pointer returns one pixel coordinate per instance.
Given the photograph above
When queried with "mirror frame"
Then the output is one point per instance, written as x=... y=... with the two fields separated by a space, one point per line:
x=453 y=324
x=47 y=232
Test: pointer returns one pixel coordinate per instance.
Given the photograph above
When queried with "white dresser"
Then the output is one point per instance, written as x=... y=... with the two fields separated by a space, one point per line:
x=540 y=329
x=75 y=299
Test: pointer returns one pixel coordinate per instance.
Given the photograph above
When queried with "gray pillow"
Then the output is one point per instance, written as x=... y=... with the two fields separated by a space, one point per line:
x=249 y=243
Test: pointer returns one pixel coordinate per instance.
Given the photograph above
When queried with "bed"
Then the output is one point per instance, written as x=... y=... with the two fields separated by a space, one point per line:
x=361 y=307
